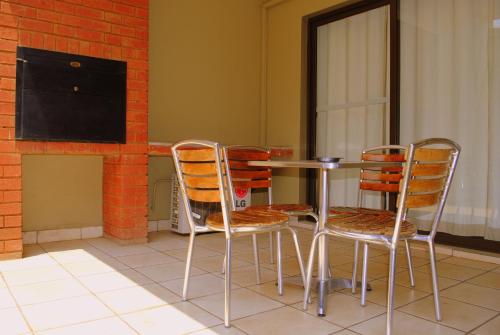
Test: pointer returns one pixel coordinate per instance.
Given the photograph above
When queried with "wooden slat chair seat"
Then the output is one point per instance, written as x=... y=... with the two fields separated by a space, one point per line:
x=372 y=224
x=346 y=210
x=286 y=208
x=247 y=218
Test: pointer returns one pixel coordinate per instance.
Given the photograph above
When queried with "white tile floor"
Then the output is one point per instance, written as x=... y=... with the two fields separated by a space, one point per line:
x=99 y=287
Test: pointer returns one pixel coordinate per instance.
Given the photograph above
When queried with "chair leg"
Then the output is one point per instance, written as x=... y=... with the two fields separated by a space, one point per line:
x=256 y=257
x=188 y=266
x=271 y=248
x=435 y=284
x=316 y=223
x=227 y=285
x=279 y=261
x=410 y=263
x=364 y=274
x=223 y=270
x=315 y=231
x=390 y=291
x=354 y=279
x=299 y=255
x=310 y=263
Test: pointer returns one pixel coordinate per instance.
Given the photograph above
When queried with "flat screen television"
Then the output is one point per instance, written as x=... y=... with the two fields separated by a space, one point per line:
x=66 y=97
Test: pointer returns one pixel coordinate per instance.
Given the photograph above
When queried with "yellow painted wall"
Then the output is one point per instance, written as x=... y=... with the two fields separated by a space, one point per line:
x=61 y=191
x=205 y=82
x=286 y=85
x=204 y=78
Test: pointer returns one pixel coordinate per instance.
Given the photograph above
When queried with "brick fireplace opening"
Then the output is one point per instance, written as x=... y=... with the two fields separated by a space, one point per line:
x=111 y=29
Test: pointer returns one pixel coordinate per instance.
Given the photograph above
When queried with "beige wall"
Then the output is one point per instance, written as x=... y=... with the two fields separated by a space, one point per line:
x=61 y=191
x=205 y=82
x=285 y=106
x=204 y=78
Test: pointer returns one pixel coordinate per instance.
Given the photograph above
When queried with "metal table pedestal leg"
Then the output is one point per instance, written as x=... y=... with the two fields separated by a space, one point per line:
x=323 y=277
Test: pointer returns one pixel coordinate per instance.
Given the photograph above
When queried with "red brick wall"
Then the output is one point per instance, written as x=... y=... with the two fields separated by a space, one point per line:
x=113 y=29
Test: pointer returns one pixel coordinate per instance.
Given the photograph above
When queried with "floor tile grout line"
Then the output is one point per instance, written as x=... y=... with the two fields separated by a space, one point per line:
x=447 y=277
x=197 y=297
x=54 y=300
x=319 y=317
x=441 y=296
x=141 y=285
x=472 y=330
x=370 y=318
x=433 y=321
x=413 y=301
x=153 y=251
x=482 y=274
x=18 y=306
x=470 y=267
x=118 y=245
x=85 y=322
x=466 y=281
x=38 y=282
x=284 y=306
x=350 y=330
x=95 y=295
x=195 y=331
x=481 y=286
x=468 y=303
x=173 y=305
x=385 y=306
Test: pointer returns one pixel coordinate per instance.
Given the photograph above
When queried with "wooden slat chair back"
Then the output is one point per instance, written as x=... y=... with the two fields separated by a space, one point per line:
x=427 y=175
x=375 y=179
x=253 y=177
x=249 y=177
x=385 y=179
x=201 y=174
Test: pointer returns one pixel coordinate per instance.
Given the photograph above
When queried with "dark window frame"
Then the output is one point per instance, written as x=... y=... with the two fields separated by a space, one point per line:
x=335 y=14
x=340 y=12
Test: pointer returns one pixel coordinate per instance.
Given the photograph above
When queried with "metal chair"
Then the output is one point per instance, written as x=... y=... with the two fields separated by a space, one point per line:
x=427 y=176
x=204 y=176
x=386 y=181
x=251 y=177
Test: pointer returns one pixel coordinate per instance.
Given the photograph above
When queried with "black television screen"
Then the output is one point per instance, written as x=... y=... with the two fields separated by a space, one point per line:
x=66 y=97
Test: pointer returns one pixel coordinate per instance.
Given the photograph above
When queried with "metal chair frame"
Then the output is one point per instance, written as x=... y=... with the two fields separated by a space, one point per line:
x=227 y=206
x=391 y=242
